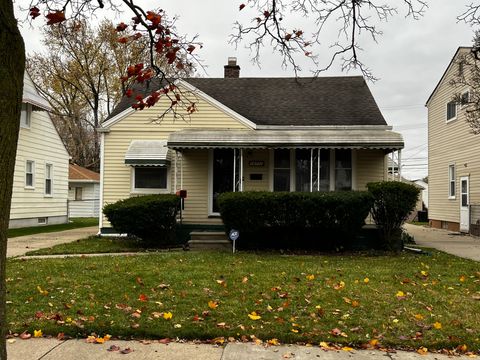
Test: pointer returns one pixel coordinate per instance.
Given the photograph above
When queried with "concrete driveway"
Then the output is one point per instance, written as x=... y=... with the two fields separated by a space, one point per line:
x=18 y=246
x=465 y=246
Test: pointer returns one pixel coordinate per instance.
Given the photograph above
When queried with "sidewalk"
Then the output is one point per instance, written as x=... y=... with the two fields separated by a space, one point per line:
x=50 y=349
x=465 y=246
x=18 y=246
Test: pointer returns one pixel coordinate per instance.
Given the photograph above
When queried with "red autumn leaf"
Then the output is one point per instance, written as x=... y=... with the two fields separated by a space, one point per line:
x=55 y=17
x=154 y=18
x=126 y=351
x=39 y=314
x=298 y=33
x=288 y=37
x=266 y=13
x=136 y=20
x=123 y=40
x=34 y=12
x=190 y=48
x=241 y=6
x=143 y=297
x=122 y=26
x=129 y=93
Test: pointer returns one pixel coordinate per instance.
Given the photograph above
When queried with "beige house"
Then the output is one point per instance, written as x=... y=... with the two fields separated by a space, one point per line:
x=453 y=152
x=273 y=134
x=41 y=166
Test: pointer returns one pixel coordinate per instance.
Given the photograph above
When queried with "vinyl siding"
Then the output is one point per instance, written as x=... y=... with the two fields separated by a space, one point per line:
x=89 y=205
x=450 y=143
x=142 y=125
x=42 y=144
x=370 y=165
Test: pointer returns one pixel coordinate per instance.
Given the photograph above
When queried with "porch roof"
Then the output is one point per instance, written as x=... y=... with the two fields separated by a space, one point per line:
x=326 y=138
x=147 y=153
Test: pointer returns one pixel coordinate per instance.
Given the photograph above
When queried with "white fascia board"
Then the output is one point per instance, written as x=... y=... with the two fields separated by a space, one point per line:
x=218 y=104
x=105 y=127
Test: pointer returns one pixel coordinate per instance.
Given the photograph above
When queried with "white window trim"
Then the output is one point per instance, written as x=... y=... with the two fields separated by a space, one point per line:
x=450 y=181
x=446 y=113
x=28 y=124
x=134 y=190
x=51 y=180
x=30 y=187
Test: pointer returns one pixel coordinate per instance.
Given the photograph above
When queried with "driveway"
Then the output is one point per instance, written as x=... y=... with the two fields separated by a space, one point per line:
x=18 y=246
x=465 y=246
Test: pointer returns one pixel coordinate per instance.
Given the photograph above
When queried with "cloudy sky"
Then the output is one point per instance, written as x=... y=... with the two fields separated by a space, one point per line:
x=408 y=59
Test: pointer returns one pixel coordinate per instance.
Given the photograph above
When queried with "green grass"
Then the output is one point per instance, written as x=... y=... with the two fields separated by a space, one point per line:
x=101 y=295
x=420 y=223
x=73 y=224
x=92 y=245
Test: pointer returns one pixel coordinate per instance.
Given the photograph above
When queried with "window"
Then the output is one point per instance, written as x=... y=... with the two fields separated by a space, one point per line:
x=451 y=110
x=25 y=115
x=29 y=173
x=343 y=169
x=451 y=177
x=48 y=179
x=281 y=170
x=302 y=169
x=78 y=193
x=153 y=178
x=42 y=221
x=307 y=162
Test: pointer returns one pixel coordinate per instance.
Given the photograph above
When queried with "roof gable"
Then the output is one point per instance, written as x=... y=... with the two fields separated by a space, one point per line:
x=79 y=173
x=323 y=101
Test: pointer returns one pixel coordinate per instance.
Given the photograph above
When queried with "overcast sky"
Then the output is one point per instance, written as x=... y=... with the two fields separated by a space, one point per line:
x=409 y=59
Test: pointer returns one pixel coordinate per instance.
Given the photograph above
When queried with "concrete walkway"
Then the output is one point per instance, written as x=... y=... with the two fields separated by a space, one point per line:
x=18 y=246
x=50 y=349
x=465 y=246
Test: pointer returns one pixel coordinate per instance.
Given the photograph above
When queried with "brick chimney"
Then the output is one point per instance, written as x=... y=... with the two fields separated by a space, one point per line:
x=232 y=70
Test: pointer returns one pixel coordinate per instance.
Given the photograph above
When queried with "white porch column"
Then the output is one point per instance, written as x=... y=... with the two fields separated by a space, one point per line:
x=234 y=170
x=400 y=165
x=181 y=170
x=241 y=170
x=318 y=170
x=175 y=172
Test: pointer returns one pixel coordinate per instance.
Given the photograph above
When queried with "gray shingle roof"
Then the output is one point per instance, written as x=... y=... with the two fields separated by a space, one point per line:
x=345 y=100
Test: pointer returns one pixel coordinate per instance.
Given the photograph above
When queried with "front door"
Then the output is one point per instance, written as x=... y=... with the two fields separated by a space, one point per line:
x=222 y=176
x=464 y=201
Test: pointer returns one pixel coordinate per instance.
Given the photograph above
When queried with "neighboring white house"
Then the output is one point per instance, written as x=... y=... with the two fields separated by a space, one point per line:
x=424 y=193
x=83 y=192
x=41 y=166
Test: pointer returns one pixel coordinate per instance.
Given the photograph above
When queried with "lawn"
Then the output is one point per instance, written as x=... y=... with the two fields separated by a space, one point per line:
x=92 y=245
x=73 y=224
x=404 y=301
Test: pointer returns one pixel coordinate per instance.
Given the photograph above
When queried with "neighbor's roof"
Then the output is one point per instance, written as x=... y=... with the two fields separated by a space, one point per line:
x=79 y=173
x=342 y=100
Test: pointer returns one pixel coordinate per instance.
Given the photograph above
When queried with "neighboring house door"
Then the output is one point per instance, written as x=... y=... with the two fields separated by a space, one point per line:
x=464 y=201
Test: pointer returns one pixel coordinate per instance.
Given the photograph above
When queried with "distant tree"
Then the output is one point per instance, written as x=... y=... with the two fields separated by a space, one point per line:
x=80 y=75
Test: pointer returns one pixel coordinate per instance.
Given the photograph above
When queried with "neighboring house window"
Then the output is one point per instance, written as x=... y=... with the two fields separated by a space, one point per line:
x=154 y=178
x=451 y=178
x=25 y=115
x=343 y=169
x=281 y=170
x=29 y=173
x=48 y=179
x=78 y=193
x=451 y=110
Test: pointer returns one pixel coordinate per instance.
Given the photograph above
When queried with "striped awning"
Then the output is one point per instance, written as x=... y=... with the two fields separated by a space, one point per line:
x=147 y=153
x=325 y=138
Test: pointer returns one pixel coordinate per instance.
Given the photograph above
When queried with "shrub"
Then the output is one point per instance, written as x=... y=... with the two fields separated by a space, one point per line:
x=315 y=220
x=393 y=201
x=151 y=218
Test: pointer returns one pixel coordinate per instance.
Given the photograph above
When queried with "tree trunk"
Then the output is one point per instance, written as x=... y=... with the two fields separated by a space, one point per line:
x=12 y=66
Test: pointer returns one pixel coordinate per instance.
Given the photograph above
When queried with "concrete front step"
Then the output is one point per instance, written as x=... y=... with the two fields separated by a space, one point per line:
x=203 y=240
x=210 y=245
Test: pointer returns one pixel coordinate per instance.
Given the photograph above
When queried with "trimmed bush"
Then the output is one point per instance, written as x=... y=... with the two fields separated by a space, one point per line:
x=152 y=218
x=323 y=220
x=393 y=201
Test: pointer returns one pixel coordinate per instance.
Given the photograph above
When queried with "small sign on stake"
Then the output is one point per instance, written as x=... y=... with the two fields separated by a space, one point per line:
x=233 y=235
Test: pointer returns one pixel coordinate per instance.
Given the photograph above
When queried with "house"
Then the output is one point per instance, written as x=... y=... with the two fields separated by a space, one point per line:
x=424 y=191
x=83 y=192
x=453 y=162
x=274 y=134
x=41 y=166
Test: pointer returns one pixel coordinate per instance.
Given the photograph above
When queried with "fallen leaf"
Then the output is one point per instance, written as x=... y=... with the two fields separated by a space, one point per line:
x=253 y=316
x=126 y=351
x=437 y=325
x=113 y=348
x=165 y=341
x=37 y=333
x=310 y=277
x=167 y=315
x=143 y=297
x=273 y=342
x=212 y=304
x=366 y=280
x=25 y=335
x=422 y=350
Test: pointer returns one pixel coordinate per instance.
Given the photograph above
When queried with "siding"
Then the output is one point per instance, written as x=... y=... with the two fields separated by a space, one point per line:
x=90 y=203
x=141 y=125
x=450 y=143
x=370 y=166
x=41 y=144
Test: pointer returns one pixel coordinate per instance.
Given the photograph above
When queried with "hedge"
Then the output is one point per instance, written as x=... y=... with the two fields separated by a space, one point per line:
x=151 y=217
x=295 y=219
x=393 y=202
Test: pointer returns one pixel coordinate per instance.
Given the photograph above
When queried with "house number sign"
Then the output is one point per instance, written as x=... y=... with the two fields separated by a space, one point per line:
x=255 y=163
